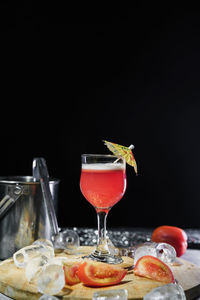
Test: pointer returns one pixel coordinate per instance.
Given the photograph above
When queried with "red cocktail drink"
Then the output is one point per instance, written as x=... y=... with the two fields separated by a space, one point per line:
x=103 y=185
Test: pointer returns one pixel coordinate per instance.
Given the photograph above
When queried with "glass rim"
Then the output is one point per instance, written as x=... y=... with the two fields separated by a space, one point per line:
x=102 y=155
x=102 y=158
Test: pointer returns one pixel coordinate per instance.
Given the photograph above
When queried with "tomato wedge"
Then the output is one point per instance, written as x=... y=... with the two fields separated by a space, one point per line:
x=100 y=274
x=172 y=235
x=71 y=276
x=153 y=268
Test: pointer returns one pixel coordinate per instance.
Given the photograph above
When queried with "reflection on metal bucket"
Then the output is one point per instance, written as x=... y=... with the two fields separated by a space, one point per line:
x=25 y=220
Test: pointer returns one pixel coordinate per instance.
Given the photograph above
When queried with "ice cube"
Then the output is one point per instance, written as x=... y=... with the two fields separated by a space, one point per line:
x=67 y=240
x=22 y=256
x=169 y=291
x=47 y=297
x=34 y=266
x=43 y=242
x=144 y=250
x=51 y=279
x=37 y=263
x=166 y=252
x=163 y=251
x=119 y=294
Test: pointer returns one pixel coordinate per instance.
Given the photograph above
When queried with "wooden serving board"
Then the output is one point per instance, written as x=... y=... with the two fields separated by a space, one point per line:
x=13 y=282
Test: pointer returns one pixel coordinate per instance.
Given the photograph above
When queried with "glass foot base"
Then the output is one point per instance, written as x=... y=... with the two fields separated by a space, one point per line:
x=105 y=258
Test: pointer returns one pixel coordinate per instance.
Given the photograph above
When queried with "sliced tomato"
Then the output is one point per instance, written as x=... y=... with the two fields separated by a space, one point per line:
x=172 y=235
x=71 y=276
x=153 y=268
x=100 y=274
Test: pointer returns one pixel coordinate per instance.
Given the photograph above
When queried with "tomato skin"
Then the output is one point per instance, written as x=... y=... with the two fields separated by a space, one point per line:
x=71 y=276
x=153 y=268
x=172 y=235
x=100 y=274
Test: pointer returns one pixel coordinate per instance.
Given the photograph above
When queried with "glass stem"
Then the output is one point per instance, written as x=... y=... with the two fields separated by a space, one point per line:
x=102 y=246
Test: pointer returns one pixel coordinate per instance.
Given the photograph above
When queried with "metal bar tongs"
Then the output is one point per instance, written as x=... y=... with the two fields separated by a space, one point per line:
x=40 y=172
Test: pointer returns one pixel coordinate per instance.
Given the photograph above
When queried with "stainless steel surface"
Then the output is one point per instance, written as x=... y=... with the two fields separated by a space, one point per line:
x=8 y=200
x=27 y=219
x=40 y=173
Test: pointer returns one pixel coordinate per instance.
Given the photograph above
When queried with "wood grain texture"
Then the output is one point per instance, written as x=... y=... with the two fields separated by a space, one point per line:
x=13 y=282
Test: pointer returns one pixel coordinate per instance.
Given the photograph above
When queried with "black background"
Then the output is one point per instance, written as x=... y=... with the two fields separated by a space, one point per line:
x=73 y=75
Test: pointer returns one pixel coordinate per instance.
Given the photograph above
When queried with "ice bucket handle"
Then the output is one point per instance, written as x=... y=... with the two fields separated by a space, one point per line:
x=9 y=199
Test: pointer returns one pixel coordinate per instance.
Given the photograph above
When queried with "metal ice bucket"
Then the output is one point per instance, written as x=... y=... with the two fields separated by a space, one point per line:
x=23 y=217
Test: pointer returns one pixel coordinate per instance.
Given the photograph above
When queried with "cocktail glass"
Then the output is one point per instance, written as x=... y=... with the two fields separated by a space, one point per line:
x=103 y=184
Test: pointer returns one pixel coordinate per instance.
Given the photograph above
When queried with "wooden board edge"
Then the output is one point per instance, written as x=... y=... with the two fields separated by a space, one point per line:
x=8 y=291
x=15 y=292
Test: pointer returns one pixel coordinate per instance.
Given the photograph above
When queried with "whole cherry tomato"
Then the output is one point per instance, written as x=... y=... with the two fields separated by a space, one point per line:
x=172 y=235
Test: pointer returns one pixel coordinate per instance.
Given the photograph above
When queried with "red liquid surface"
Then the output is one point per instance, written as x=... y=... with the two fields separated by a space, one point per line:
x=103 y=188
